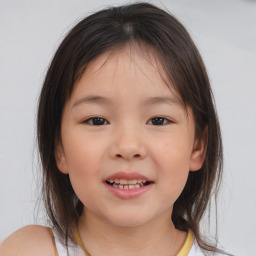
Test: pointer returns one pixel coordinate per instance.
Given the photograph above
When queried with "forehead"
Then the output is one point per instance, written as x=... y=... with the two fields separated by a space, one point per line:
x=131 y=66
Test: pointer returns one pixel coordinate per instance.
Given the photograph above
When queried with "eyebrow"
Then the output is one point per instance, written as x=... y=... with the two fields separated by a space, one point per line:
x=93 y=99
x=107 y=101
x=162 y=100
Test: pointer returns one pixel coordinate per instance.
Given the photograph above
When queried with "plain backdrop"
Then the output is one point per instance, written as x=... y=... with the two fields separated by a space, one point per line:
x=225 y=33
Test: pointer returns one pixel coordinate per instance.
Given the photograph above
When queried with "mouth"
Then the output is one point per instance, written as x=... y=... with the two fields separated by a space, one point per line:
x=128 y=183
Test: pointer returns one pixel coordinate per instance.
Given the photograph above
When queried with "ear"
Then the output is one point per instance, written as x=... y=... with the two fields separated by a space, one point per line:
x=199 y=151
x=61 y=160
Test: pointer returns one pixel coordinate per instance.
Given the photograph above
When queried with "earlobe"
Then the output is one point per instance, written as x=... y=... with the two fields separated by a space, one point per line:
x=61 y=160
x=199 y=152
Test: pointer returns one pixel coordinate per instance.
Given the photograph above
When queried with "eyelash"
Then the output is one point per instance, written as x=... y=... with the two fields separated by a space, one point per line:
x=91 y=120
x=160 y=118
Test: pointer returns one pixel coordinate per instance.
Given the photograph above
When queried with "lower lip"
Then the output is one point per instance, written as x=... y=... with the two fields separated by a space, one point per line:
x=128 y=193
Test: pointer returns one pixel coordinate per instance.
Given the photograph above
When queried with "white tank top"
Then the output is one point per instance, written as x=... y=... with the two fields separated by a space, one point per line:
x=73 y=250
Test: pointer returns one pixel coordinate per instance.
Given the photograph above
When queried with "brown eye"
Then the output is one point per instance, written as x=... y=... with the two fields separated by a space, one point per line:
x=159 y=121
x=96 y=121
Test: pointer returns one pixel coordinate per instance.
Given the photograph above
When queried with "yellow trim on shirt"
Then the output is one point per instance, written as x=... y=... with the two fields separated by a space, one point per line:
x=79 y=241
x=187 y=245
x=53 y=241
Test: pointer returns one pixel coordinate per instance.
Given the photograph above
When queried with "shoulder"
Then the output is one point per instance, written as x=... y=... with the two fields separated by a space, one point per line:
x=29 y=240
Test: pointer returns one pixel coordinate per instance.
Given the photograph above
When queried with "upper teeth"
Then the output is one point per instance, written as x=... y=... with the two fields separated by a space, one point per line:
x=129 y=182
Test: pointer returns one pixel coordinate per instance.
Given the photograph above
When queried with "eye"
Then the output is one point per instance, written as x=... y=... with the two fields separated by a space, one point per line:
x=159 y=121
x=96 y=121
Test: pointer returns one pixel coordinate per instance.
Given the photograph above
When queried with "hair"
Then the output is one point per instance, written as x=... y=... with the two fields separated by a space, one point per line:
x=146 y=26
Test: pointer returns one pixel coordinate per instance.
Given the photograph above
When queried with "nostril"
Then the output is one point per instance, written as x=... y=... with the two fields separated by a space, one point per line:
x=134 y=156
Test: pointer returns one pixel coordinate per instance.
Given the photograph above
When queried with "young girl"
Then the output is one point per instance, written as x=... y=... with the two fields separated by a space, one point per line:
x=129 y=141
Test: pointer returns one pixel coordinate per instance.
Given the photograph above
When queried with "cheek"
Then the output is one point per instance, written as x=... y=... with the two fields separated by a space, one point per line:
x=84 y=171
x=173 y=154
x=83 y=156
x=82 y=152
x=172 y=161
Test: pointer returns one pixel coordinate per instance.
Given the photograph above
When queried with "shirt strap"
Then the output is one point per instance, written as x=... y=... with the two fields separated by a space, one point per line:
x=79 y=241
x=187 y=245
x=53 y=241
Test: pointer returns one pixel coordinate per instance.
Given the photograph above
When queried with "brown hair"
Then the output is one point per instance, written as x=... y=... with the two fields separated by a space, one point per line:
x=106 y=30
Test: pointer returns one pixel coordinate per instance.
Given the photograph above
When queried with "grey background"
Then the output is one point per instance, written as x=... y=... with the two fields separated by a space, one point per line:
x=225 y=33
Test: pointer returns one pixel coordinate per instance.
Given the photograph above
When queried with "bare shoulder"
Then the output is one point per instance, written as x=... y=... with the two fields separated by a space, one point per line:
x=29 y=240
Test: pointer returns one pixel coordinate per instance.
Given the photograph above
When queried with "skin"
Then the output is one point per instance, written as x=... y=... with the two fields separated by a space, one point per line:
x=129 y=141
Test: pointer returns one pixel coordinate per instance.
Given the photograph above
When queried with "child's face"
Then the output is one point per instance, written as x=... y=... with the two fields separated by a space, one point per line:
x=142 y=132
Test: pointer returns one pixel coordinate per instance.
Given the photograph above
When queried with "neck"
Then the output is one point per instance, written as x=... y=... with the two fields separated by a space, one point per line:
x=159 y=237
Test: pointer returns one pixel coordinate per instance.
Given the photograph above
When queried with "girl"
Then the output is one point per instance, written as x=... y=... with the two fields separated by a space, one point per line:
x=129 y=141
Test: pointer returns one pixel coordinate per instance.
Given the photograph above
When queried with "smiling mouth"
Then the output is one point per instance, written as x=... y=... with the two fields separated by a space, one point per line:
x=128 y=184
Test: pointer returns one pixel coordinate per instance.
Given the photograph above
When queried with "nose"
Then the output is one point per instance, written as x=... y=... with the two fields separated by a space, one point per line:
x=128 y=144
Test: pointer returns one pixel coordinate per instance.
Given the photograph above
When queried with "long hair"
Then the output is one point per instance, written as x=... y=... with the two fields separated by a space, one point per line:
x=149 y=27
